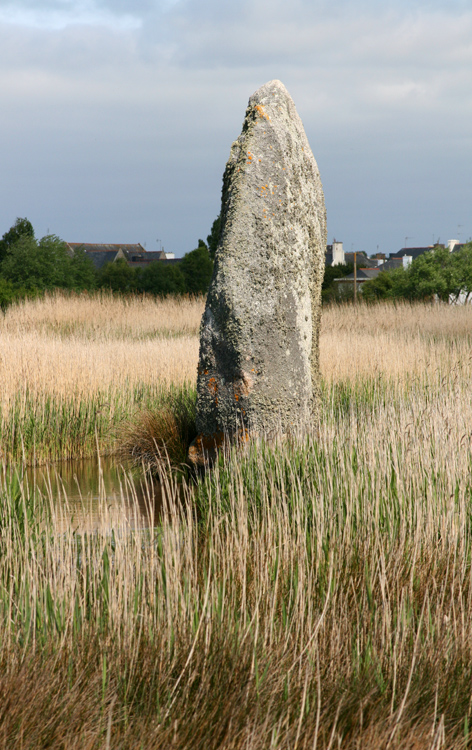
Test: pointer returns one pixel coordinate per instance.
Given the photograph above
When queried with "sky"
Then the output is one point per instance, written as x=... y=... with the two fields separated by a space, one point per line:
x=117 y=116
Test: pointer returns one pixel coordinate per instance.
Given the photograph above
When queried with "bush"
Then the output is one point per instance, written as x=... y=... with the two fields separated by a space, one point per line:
x=119 y=277
x=197 y=269
x=21 y=228
x=330 y=292
x=10 y=293
x=45 y=265
x=161 y=279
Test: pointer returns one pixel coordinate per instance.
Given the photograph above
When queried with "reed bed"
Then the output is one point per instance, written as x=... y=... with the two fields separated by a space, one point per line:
x=313 y=594
x=73 y=367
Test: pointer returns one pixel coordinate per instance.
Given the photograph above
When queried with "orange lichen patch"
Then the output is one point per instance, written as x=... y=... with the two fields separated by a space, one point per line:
x=213 y=386
x=260 y=111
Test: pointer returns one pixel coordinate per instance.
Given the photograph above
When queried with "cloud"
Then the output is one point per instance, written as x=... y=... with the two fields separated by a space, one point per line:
x=134 y=104
x=59 y=14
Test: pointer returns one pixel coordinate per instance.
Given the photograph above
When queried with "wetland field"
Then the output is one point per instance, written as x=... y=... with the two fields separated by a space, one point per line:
x=315 y=594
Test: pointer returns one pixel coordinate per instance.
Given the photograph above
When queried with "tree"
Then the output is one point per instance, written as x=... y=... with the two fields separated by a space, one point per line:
x=329 y=293
x=462 y=261
x=159 y=278
x=437 y=274
x=119 y=277
x=21 y=228
x=8 y=293
x=335 y=272
x=214 y=237
x=197 y=268
x=38 y=265
x=379 y=288
x=84 y=275
x=430 y=275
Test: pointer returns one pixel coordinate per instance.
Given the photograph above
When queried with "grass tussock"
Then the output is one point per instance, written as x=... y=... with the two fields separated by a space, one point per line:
x=159 y=438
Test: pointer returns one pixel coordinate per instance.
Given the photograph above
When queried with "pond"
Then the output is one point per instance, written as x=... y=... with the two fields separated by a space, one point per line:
x=88 y=494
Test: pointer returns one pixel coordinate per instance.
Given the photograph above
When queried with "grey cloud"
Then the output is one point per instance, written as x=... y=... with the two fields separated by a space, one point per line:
x=122 y=134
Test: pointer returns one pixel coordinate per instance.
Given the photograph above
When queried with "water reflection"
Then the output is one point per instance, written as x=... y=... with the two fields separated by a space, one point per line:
x=89 y=493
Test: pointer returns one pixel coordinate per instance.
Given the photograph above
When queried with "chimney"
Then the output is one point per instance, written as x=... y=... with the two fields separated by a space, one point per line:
x=338 y=254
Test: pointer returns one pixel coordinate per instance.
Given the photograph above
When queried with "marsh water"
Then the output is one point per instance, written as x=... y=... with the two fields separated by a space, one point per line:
x=92 y=492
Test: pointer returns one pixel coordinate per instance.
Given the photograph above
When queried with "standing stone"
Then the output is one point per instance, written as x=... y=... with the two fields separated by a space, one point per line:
x=259 y=339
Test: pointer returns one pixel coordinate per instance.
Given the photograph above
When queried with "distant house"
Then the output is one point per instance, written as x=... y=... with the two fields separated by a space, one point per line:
x=142 y=259
x=135 y=255
x=413 y=252
x=362 y=261
x=346 y=283
x=392 y=263
x=455 y=246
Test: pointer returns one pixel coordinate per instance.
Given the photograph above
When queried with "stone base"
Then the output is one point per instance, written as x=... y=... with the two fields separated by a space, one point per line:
x=204 y=450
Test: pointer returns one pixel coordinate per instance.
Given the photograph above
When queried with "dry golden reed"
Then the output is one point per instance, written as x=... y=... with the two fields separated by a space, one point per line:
x=394 y=341
x=72 y=367
x=82 y=345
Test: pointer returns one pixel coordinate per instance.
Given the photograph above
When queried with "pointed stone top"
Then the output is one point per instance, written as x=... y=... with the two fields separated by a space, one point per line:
x=271 y=88
x=271 y=94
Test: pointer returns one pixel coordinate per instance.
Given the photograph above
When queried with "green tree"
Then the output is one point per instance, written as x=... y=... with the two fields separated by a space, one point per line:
x=431 y=274
x=119 y=277
x=160 y=278
x=21 y=228
x=329 y=290
x=335 y=272
x=214 y=237
x=462 y=261
x=437 y=274
x=38 y=265
x=83 y=273
x=379 y=288
x=197 y=268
